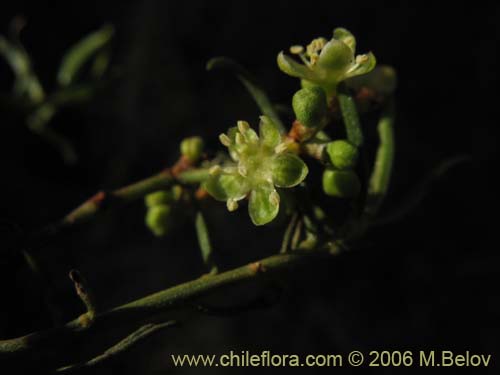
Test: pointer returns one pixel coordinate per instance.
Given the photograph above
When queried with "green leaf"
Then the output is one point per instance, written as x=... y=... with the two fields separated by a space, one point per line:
x=255 y=91
x=350 y=116
x=264 y=204
x=382 y=169
x=288 y=170
x=204 y=242
x=268 y=132
x=227 y=186
x=26 y=82
x=81 y=52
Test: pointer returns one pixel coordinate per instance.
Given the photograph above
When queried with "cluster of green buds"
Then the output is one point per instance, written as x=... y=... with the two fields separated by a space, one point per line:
x=160 y=205
x=259 y=164
x=327 y=62
x=339 y=179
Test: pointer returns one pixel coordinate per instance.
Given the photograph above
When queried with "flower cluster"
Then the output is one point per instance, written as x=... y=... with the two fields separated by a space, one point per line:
x=260 y=164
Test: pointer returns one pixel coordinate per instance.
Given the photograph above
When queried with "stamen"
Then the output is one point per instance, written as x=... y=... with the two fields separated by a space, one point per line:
x=224 y=139
x=215 y=170
x=243 y=126
x=230 y=170
x=242 y=170
x=282 y=147
x=232 y=205
x=296 y=50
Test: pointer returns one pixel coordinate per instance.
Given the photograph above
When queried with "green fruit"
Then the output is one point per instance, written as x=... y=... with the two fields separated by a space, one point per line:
x=309 y=105
x=159 y=219
x=342 y=184
x=342 y=154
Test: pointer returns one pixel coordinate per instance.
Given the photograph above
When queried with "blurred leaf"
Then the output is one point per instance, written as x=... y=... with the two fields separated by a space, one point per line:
x=382 y=169
x=244 y=76
x=350 y=116
x=101 y=63
x=81 y=52
x=204 y=242
x=26 y=83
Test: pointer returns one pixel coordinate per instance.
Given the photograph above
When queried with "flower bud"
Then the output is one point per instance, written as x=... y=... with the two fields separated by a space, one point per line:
x=159 y=219
x=309 y=105
x=342 y=184
x=163 y=196
x=192 y=148
x=342 y=154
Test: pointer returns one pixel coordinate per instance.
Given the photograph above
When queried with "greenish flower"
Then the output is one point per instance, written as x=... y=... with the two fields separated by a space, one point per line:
x=326 y=63
x=260 y=163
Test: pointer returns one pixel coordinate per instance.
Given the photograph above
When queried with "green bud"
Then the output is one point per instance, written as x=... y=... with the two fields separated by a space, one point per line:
x=159 y=219
x=342 y=154
x=192 y=148
x=342 y=184
x=163 y=196
x=309 y=105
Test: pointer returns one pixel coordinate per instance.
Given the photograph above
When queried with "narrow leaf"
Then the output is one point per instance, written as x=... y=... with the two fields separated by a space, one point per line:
x=382 y=169
x=350 y=116
x=81 y=52
x=255 y=91
x=204 y=242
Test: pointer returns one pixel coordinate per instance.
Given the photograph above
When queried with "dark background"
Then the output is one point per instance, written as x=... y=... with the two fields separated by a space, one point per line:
x=429 y=282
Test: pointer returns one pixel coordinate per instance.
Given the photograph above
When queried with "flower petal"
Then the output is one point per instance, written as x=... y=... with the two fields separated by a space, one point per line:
x=269 y=132
x=288 y=170
x=363 y=65
x=293 y=68
x=345 y=36
x=335 y=58
x=264 y=204
x=227 y=186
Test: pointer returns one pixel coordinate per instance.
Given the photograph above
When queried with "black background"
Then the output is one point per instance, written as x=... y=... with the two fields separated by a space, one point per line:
x=429 y=282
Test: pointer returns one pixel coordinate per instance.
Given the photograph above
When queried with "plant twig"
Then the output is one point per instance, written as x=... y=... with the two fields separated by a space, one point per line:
x=128 y=342
x=51 y=346
x=84 y=293
x=102 y=200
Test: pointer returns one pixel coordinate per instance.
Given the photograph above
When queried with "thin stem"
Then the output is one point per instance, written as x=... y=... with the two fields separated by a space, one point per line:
x=288 y=233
